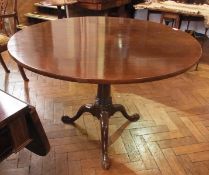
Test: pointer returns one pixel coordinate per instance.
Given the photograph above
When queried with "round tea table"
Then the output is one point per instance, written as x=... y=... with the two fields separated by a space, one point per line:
x=104 y=51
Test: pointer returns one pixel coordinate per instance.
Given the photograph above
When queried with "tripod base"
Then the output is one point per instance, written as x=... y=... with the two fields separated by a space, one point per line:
x=103 y=109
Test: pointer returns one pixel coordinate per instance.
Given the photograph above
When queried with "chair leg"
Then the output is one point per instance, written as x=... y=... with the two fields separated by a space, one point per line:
x=22 y=72
x=148 y=13
x=161 y=19
x=177 y=23
x=196 y=67
x=206 y=30
x=188 y=24
x=4 y=65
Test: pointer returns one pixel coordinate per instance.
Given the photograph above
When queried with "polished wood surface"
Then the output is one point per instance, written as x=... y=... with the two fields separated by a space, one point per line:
x=9 y=106
x=104 y=50
x=20 y=127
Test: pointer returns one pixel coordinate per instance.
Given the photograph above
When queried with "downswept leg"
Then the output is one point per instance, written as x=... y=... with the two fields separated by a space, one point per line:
x=84 y=108
x=121 y=108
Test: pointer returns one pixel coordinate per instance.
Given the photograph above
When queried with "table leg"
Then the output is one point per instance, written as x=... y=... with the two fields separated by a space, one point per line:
x=103 y=109
x=4 y=65
x=121 y=108
x=81 y=110
x=59 y=12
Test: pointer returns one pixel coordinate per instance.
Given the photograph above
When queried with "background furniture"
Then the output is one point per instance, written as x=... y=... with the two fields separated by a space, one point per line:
x=47 y=9
x=99 y=8
x=20 y=127
x=187 y=12
x=59 y=5
x=7 y=28
x=102 y=4
x=172 y=18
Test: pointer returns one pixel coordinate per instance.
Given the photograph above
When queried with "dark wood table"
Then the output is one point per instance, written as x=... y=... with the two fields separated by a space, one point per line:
x=102 y=8
x=102 y=4
x=20 y=127
x=59 y=4
x=104 y=51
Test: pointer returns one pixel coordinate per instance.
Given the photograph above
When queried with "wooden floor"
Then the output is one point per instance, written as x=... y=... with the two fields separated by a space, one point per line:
x=172 y=136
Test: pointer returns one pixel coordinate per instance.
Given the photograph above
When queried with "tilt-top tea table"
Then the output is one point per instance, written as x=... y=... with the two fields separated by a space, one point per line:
x=104 y=51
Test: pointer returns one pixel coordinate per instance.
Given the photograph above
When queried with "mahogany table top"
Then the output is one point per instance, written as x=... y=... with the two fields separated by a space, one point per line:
x=104 y=50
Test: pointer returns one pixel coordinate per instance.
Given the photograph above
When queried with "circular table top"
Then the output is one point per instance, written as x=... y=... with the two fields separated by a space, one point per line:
x=104 y=50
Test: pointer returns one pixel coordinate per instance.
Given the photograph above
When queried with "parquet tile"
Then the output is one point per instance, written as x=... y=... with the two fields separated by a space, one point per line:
x=144 y=151
x=193 y=129
x=199 y=156
x=171 y=137
x=188 y=166
x=173 y=162
x=36 y=165
x=203 y=169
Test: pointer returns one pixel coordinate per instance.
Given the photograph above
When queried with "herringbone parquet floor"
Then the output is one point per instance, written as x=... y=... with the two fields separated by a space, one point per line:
x=172 y=136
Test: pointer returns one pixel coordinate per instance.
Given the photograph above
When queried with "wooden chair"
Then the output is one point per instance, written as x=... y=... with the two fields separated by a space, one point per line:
x=8 y=14
x=172 y=18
